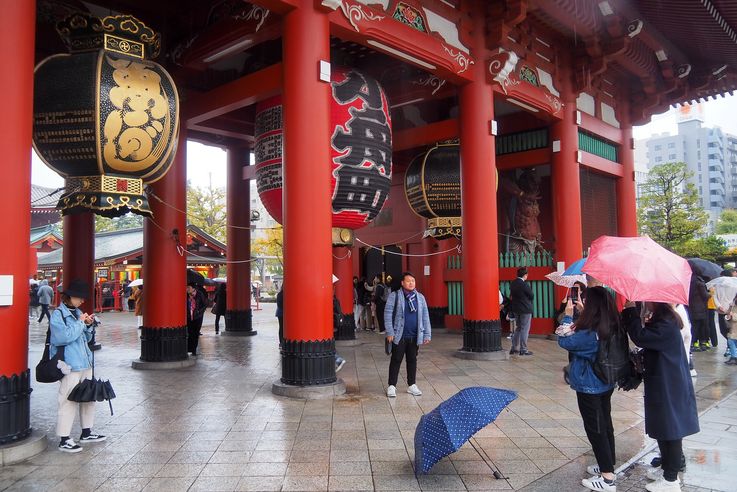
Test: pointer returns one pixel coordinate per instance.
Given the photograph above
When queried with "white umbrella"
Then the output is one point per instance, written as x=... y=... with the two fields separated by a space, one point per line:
x=220 y=280
x=136 y=282
x=565 y=280
x=725 y=290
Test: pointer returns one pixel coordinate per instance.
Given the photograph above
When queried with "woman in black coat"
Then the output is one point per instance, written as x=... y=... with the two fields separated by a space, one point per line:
x=196 y=305
x=218 y=309
x=670 y=403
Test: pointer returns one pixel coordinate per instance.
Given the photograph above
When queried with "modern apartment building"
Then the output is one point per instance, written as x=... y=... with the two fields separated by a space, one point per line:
x=709 y=153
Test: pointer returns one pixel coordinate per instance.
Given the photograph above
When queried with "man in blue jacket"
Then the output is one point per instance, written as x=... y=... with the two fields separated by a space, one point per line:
x=407 y=322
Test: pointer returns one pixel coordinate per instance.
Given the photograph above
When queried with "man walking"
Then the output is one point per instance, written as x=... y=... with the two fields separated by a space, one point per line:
x=407 y=322
x=521 y=297
x=45 y=297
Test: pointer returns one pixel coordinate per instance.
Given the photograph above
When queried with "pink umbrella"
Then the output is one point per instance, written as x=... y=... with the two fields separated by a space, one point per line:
x=639 y=269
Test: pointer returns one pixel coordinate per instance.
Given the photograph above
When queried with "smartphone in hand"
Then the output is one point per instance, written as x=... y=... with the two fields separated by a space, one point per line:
x=574 y=294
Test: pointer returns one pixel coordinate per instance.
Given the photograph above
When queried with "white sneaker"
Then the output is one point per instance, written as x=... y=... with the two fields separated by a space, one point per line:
x=69 y=446
x=414 y=390
x=599 y=484
x=693 y=373
x=664 y=485
x=391 y=391
x=593 y=470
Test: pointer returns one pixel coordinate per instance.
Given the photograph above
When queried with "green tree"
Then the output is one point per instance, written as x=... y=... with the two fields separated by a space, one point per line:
x=271 y=249
x=709 y=248
x=206 y=210
x=668 y=209
x=127 y=221
x=727 y=223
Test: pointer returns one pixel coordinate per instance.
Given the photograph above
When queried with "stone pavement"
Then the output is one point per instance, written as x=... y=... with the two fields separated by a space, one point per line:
x=217 y=426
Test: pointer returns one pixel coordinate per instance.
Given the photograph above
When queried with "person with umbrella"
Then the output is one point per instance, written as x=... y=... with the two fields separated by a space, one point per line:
x=220 y=303
x=698 y=298
x=71 y=328
x=598 y=320
x=670 y=403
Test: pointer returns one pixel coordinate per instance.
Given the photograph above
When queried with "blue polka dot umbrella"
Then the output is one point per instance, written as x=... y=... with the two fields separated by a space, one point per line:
x=444 y=430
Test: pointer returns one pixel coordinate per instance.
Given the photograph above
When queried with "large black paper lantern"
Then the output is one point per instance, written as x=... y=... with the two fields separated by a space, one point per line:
x=432 y=185
x=105 y=117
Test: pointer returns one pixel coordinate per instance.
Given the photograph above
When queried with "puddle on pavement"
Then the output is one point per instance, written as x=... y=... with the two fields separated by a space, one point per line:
x=711 y=468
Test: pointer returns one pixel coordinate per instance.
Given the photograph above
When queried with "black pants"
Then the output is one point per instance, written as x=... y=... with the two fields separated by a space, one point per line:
x=405 y=346
x=380 y=314
x=193 y=334
x=670 y=452
x=217 y=323
x=712 y=328
x=44 y=311
x=281 y=330
x=596 y=412
x=699 y=331
x=723 y=327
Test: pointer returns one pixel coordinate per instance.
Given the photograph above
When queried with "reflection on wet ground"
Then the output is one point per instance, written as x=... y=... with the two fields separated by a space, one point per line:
x=217 y=426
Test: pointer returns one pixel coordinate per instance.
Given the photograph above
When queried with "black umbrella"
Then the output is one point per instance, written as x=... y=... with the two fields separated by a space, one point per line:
x=93 y=389
x=194 y=278
x=704 y=269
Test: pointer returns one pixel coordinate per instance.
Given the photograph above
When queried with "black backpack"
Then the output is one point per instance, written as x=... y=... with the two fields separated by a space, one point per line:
x=612 y=362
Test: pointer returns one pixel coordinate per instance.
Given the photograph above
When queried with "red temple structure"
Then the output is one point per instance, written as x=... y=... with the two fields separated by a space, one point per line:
x=539 y=96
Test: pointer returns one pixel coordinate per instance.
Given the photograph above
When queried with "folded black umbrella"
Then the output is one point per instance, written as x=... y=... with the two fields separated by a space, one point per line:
x=388 y=346
x=93 y=389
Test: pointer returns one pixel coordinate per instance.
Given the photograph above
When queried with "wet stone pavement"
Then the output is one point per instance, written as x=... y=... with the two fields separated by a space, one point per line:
x=217 y=426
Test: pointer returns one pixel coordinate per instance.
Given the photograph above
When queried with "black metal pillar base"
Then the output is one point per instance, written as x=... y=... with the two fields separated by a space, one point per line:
x=307 y=363
x=15 y=407
x=347 y=329
x=239 y=322
x=163 y=344
x=482 y=335
x=437 y=316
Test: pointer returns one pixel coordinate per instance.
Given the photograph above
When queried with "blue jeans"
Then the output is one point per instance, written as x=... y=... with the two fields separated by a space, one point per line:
x=519 y=338
x=732 y=344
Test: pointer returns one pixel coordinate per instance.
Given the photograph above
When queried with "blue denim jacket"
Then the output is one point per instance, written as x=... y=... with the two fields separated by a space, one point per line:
x=583 y=345
x=73 y=334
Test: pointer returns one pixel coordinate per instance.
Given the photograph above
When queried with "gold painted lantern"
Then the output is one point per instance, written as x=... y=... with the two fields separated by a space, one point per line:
x=105 y=117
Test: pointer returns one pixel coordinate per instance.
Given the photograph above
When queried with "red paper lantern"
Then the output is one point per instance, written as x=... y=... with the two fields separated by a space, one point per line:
x=361 y=150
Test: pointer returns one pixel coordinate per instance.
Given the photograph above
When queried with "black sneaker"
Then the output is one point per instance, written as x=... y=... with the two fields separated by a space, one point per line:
x=526 y=352
x=69 y=446
x=92 y=438
x=512 y=352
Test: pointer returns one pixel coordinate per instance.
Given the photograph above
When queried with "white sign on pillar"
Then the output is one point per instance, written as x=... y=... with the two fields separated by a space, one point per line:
x=427 y=270
x=6 y=290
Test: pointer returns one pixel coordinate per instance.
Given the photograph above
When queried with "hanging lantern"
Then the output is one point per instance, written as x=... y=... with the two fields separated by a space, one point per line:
x=361 y=153
x=432 y=185
x=105 y=118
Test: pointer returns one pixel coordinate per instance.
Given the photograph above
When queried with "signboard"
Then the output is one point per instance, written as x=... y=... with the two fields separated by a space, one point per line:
x=103 y=273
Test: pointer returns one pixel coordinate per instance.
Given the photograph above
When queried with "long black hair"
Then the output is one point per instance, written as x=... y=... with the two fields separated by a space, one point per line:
x=600 y=313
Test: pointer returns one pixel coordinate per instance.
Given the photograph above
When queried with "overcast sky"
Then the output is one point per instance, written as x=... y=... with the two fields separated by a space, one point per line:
x=207 y=164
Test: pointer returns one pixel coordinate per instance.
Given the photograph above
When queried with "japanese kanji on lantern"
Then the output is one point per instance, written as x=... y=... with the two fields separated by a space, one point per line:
x=361 y=152
x=105 y=117
x=432 y=185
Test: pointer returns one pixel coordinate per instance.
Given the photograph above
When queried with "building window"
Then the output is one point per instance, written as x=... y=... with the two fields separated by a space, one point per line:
x=658 y=159
x=658 y=147
x=672 y=145
x=671 y=157
x=698 y=154
x=698 y=143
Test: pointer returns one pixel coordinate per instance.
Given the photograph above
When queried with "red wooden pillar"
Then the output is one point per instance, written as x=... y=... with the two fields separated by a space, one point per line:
x=436 y=290
x=566 y=180
x=164 y=331
x=78 y=255
x=481 y=325
x=626 y=193
x=308 y=354
x=17 y=41
x=343 y=269
x=238 y=300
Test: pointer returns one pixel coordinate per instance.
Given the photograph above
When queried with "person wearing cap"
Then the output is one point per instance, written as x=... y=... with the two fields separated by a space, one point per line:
x=71 y=328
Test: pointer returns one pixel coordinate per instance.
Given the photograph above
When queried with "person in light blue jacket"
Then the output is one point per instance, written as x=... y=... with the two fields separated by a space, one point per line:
x=597 y=321
x=407 y=322
x=71 y=328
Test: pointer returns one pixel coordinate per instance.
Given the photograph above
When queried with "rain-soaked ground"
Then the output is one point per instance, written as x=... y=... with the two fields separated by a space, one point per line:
x=217 y=426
